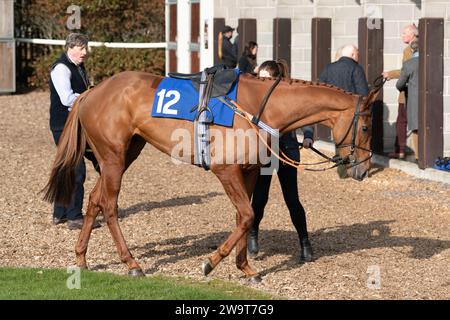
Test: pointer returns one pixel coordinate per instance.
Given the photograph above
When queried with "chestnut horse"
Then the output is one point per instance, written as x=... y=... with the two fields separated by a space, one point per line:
x=115 y=119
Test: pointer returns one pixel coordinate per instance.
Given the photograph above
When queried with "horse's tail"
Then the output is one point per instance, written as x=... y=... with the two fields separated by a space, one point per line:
x=61 y=185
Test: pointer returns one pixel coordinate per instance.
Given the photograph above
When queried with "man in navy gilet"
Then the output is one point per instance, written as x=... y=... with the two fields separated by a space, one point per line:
x=68 y=79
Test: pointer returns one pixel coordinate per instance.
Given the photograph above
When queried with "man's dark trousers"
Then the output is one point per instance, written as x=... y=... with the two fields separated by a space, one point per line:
x=74 y=210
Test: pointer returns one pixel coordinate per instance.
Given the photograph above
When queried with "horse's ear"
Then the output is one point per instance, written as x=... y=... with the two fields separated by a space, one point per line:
x=370 y=99
x=373 y=94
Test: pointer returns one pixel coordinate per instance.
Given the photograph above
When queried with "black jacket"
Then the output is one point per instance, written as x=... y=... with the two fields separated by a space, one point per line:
x=58 y=111
x=247 y=64
x=347 y=74
x=229 y=58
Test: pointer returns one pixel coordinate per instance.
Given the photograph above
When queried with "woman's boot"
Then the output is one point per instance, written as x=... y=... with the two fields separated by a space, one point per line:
x=306 y=252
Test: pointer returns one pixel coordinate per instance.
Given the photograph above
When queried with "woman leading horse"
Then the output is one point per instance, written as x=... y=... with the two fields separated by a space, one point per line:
x=114 y=118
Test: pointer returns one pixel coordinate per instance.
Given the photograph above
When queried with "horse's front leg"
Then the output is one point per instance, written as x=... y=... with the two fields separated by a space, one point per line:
x=232 y=179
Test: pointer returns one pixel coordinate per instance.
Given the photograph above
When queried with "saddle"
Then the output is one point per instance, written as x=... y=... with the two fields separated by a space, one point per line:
x=223 y=79
x=211 y=83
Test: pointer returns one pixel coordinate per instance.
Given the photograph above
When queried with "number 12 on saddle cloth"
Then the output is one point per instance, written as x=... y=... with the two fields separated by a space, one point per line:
x=178 y=98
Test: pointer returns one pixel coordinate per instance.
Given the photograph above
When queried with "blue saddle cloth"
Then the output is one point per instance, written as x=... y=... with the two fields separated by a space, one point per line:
x=175 y=98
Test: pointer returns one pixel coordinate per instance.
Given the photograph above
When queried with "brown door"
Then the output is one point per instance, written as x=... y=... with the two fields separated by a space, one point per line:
x=247 y=32
x=172 y=37
x=282 y=40
x=370 y=44
x=195 y=37
x=431 y=68
x=321 y=56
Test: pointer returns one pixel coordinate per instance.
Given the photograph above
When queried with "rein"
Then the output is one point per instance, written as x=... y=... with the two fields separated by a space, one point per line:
x=338 y=160
x=256 y=118
x=254 y=121
x=350 y=159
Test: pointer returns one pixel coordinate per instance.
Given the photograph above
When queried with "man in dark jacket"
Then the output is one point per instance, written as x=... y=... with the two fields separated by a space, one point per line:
x=68 y=79
x=346 y=74
x=229 y=57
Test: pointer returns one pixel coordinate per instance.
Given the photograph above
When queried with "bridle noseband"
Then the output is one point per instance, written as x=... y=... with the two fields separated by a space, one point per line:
x=351 y=159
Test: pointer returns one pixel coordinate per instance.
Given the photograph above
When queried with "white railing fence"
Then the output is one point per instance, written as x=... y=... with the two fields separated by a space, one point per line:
x=136 y=45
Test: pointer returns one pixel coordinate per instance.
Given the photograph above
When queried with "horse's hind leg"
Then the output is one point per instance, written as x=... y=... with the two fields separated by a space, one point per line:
x=134 y=149
x=232 y=180
x=112 y=171
x=92 y=212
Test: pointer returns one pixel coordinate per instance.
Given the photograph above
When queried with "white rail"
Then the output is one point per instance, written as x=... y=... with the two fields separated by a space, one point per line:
x=136 y=45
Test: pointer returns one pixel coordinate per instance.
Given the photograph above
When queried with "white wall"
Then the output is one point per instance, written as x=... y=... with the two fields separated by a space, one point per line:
x=206 y=18
x=183 y=36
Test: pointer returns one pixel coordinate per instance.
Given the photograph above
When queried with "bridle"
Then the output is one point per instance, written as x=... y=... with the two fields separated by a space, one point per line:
x=337 y=160
x=351 y=159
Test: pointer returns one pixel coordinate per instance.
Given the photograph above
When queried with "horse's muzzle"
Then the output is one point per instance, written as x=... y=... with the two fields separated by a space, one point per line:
x=359 y=173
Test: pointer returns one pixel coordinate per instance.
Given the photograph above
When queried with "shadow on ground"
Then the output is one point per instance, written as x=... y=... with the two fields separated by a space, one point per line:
x=175 y=202
x=375 y=170
x=326 y=242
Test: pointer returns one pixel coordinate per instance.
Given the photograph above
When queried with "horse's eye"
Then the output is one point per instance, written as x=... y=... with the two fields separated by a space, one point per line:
x=364 y=128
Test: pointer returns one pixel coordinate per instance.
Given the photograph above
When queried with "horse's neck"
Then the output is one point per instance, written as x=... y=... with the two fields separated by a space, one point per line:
x=300 y=106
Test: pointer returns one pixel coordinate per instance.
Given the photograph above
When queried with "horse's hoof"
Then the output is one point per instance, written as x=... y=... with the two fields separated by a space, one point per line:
x=136 y=273
x=306 y=252
x=206 y=268
x=255 y=279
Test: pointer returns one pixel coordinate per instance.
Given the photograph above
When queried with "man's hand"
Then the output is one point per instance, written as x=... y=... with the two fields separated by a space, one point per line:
x=386 y=75
x=307 y=142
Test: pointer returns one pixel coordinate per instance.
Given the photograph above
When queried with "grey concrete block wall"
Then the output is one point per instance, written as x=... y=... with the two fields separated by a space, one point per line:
x=300 y=13
x=344 y=21
x=344 y=15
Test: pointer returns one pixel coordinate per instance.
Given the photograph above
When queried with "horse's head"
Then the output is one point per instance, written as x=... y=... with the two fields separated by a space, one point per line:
x=353 y=135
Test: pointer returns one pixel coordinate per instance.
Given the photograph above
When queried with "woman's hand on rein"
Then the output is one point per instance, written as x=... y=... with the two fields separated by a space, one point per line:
x=307 y=142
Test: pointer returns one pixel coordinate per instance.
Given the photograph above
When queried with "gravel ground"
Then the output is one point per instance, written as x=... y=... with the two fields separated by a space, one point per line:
x=174 y=216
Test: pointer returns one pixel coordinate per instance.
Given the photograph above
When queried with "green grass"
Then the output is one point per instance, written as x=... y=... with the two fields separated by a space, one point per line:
x=22 y=283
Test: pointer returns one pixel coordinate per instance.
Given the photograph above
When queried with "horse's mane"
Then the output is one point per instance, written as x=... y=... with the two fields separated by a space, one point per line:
x=300 y=82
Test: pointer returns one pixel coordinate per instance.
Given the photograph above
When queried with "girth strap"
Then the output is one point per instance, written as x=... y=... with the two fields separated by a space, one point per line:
x=202 y=122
